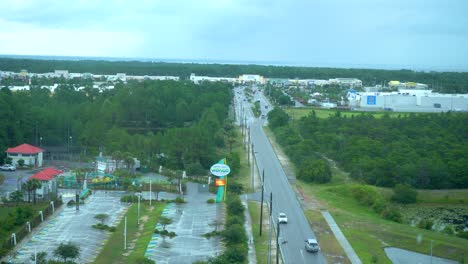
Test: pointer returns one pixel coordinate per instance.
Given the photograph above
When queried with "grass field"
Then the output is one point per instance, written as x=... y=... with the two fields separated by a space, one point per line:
x=137 y=237
x=368 y=233
x=297 y=113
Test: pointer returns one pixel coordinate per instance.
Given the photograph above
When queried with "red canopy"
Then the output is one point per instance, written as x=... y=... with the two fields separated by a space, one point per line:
x=46 y=174
x=25 y=149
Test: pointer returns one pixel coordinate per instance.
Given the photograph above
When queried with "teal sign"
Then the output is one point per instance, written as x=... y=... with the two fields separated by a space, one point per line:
x=220 y=170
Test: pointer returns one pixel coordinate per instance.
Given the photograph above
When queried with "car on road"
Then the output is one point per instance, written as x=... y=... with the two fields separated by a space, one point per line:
x=282 y=218
x=311 y=245
x=8 y=167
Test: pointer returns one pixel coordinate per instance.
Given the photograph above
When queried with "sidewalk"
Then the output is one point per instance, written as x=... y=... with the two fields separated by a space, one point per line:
x=352 y=256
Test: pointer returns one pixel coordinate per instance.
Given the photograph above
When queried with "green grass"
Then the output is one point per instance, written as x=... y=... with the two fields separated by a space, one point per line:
x=329 y=246
x=2 y=179
x=297 y=113
x=260 y=242
x=368 y=233
x=245 y=170
x=113 y=251
x=443 y=196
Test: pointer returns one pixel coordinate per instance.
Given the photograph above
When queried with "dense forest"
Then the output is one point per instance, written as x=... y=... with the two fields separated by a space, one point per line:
x=184 y=121
x=447 y=82
x=422 y=150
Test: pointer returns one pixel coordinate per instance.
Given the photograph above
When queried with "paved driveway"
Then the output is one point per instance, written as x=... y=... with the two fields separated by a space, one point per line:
x=75 y=226
x=13 y=179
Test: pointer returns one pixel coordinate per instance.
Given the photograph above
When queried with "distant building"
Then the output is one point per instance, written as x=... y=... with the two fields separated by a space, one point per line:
x=350 y=82
x=61 y=73
x=251 y=78
x=31 y=155
x=198 y=79
x=107 y=164
x=121 y=76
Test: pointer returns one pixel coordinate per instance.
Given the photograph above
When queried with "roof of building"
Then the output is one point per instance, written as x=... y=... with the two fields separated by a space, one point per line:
x=25 y=149
x=46 y=174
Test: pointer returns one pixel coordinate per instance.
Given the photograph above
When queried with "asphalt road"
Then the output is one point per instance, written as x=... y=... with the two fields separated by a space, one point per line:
x=293 y=234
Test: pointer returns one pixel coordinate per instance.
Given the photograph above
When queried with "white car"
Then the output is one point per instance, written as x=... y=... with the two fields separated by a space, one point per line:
x=311 y=245
x=282 y=218
x=8 y=167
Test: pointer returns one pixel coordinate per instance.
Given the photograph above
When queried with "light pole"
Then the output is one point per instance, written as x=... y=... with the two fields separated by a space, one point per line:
x=40 y=142
x=138 y=219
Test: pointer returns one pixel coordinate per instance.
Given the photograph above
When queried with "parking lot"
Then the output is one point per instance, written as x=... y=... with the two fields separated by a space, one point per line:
x=75 y=226
x=190 y=221
x=13 y=179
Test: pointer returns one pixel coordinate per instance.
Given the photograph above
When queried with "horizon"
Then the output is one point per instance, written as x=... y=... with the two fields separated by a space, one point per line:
x=420 y=68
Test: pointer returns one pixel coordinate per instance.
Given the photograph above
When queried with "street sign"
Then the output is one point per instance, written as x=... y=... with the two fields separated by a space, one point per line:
x=220 y=170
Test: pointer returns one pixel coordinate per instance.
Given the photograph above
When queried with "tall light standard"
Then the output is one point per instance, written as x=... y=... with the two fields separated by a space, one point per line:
x=70 y=144
x=40 y=142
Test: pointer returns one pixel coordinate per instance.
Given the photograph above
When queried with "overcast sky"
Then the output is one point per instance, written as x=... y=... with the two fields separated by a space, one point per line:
x=397 y=33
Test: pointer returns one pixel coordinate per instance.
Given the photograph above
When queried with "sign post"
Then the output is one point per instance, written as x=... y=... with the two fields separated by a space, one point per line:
x=220 y=170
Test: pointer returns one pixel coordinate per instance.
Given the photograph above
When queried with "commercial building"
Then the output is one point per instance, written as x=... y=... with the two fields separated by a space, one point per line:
x=408 y=100
x=199 y=79
x=251 y=78
x=49 y=183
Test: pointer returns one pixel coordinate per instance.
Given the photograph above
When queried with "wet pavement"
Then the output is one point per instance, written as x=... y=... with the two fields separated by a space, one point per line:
x=74 y=226
x=401 y=256
x=190 y=221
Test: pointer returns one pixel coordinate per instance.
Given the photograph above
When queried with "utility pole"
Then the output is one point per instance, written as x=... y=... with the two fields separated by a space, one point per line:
x=270 y=229
x=277 y=242
x=248 y=147
x=253 y=168
x=261 y=204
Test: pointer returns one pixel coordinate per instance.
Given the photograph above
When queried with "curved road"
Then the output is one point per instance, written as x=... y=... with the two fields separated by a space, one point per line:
x=293 y=234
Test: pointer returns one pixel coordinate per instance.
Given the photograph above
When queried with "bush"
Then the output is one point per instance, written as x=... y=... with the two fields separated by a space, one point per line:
x=179 y=200
x=235 y=188
x=234 y=234
x=426 y=224
x=165 y=233
x=129 y=199
x=392 y=213
x=366 y=195
x=234 y=205
x=448 y=230
x=210 y=201
x=315 y=170
x=195 y=169
x=144 y=260
x=463 y=234
x=404 y=194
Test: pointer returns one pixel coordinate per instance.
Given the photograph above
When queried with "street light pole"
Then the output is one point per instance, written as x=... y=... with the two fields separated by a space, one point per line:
x=138 y=219
x=261 y=203
x=151 y=194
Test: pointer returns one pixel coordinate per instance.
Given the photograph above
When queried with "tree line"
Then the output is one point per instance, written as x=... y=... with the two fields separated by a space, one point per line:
x=422 y=150
x=446 y=82
x=177 y=123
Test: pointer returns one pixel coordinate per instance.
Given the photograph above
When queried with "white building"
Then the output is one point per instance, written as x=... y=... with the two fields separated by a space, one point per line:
x=352 y=82
x=31 y=155
x=251 y=78
x=61 y=73
x=198 y=79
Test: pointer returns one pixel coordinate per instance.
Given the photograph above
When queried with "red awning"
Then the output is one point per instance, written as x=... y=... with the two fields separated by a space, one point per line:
x=46 y=174
x=25 y=149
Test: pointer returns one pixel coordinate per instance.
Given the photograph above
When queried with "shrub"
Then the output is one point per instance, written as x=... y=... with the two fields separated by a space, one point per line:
x=366 y=195
x=179 y=200
x=315 y=170
x=164 y=232
x=426 y=224
x=234 y=205
x=129 y=199
x=392 y=213
x=404 y=194
x=463 y=234
x=234 y=219
x=234 y=234
x=235 y=188
x=448 y=230
x=379 y=205
x=210 y=201
x=195 y=169
x=144 y=260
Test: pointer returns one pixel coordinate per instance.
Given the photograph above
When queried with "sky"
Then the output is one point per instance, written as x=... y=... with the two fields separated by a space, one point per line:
x=410 y=34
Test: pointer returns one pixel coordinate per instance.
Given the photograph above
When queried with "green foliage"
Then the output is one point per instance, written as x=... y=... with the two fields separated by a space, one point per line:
x=392 y=213
x=195 y=169
x=179 y=199
x=448 y=230
x=104 y=227
x=102 y=217
x=39 y=257
x=235 y=188
x=2 y=179
x=233 y=160
x=234 y=205
x=210 y=201
x=404 y=194
x=366 y=195
x=16 y=196
x=129 y=199
x=144 y=260
x=463 y=234
x=164 y=221
x=316 y=170
x=277 y=117
x=426 y=224
x=165 y=233
x=67 y=251
x=21 y=162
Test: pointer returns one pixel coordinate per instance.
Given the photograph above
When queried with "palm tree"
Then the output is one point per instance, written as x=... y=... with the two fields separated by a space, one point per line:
x=129 y=161
x=117 y=156
x=35 y=184
x=16 y=196
x=27 y=186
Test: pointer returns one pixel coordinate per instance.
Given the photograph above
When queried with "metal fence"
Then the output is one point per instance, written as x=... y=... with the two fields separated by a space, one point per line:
x=9 y=244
